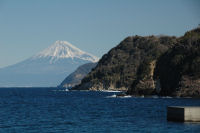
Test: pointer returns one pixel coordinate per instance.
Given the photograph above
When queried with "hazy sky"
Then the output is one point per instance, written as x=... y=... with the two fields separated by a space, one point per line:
x=95 y=26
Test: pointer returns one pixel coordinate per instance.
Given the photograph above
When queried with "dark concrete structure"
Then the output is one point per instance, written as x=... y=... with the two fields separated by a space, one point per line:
x=183 y=113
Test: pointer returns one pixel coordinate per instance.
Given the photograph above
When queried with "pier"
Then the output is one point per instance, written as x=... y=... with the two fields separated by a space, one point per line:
x=183 y=113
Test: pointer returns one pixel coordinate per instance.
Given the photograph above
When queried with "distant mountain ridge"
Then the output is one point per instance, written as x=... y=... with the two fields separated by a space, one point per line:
x=47 y=68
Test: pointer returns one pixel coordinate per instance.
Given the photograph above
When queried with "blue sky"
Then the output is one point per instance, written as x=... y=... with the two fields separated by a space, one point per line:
x=27 y=27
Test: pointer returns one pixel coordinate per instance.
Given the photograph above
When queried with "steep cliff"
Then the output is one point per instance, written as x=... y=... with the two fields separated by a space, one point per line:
x=130 y=64
x=162 y=65
x=179 y=68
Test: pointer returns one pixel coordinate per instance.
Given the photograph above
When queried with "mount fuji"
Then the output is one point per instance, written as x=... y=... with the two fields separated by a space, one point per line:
x=47 y=68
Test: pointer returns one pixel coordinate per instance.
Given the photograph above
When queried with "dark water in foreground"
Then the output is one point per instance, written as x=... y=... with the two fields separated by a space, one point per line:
x=42 y=110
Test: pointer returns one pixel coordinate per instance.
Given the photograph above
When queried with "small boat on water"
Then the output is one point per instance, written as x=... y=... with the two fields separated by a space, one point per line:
x=112 y=96
x=110 y=91
x=122 y=95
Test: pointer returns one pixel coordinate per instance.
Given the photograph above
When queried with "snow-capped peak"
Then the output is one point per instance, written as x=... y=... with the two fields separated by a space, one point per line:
x=64 y=49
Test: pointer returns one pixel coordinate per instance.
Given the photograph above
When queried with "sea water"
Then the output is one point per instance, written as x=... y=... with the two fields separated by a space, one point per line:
x=49 y=110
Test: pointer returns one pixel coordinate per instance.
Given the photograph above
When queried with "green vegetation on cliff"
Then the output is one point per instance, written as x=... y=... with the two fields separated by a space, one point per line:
x=150 y=65
x=179 y=68
x=127 y=63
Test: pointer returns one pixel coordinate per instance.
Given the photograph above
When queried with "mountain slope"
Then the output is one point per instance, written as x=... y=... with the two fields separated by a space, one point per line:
x=63 y=49
x=166 y=66
x=123 y=65
x=47 y=68
x=76 y=77
x=178 y=69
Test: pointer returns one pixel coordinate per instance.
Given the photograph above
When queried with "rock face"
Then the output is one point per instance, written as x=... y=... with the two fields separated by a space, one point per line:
x=163 y=65
x=128 y=65
x=179 y=68
x=76 y=77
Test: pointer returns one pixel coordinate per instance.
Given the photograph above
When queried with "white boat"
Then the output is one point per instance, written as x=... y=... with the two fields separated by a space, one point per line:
x=112 y=96
x=110 y=91
x=127 y=96
x=119 y=96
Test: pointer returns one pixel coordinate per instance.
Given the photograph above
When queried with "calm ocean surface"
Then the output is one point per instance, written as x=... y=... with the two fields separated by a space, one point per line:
x=43 y=110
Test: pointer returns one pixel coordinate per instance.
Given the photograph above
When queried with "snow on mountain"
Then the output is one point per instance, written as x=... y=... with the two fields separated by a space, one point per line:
x=47 y=68
x=63 y=49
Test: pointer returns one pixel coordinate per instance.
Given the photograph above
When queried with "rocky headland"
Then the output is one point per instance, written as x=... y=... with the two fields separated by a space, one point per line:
x=150 y=65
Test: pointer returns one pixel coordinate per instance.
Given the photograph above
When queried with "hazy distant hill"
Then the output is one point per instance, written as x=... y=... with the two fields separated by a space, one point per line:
x=47 y=68
x=76 y=77
x=150 y=65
